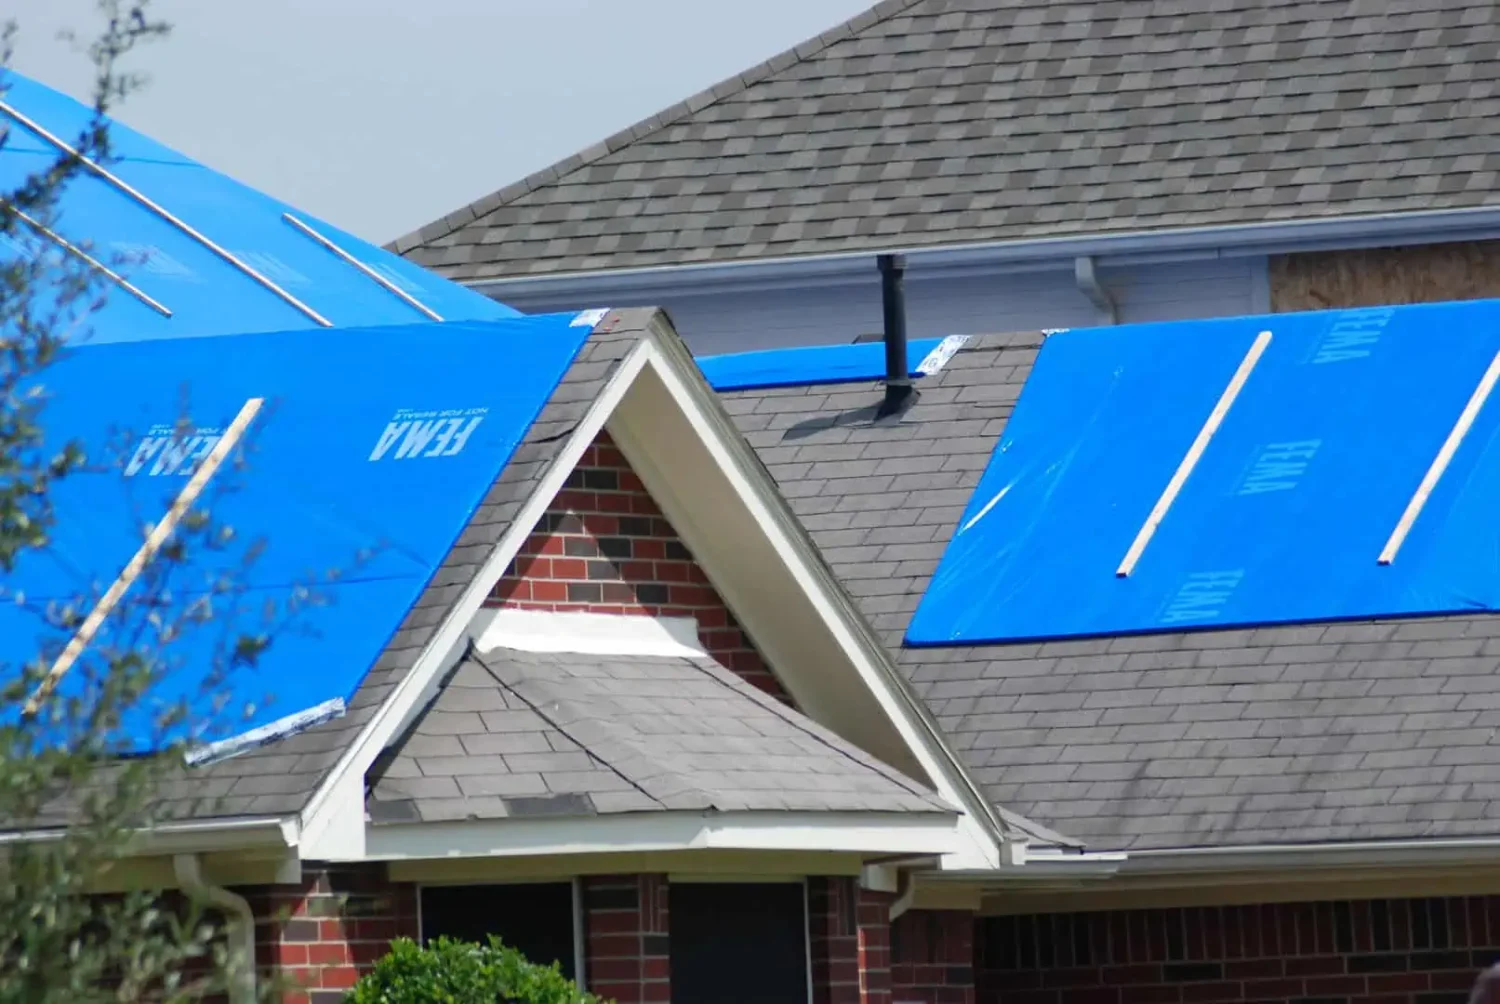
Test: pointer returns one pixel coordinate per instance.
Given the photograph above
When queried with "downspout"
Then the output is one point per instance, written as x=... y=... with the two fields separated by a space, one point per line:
x=239 y=921
x=1087 y=277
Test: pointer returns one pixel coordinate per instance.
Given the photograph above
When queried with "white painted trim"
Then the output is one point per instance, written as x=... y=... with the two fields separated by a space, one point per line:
x=1282 y=857
x=397 y=709
x=858 y=833
x=807 y=937
x=1110 y=250
x=580 y=936
x=587 y=633
x=198 y=835
x=864 y=650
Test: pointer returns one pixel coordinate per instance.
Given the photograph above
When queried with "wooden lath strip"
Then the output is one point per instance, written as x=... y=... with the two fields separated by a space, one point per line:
x=1440 y=462
x=1190 y=460
x=148 y=550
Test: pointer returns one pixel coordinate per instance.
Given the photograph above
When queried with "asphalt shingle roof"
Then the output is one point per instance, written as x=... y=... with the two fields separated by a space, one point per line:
x=924 y=122
x=525 y=734
x=1318 y=732
x=279 y=778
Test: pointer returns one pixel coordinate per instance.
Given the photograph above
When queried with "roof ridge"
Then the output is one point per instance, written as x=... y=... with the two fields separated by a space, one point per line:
x=733 y=681
x=690 y=105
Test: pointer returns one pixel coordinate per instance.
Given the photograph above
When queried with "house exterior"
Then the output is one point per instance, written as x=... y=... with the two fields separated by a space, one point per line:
x=1270 y=811
x=630 y=723
x=1041 y=165
x=589 y=656
x=656 y=701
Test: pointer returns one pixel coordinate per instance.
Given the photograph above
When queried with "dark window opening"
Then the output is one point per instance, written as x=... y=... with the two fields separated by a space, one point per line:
x=534 y=918
x=738 y=944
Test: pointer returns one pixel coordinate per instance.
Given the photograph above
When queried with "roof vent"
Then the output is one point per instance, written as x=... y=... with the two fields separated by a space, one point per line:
x=898 y=386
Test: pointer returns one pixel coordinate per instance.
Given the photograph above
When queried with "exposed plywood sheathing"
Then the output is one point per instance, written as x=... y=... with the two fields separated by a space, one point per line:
x=1378 y=276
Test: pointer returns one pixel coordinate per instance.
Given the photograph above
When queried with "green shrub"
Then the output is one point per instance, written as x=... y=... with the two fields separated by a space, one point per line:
x=459 y=972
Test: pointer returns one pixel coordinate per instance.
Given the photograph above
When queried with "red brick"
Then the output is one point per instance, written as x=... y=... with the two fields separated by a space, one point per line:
x=539 y=578
x=1254 y=968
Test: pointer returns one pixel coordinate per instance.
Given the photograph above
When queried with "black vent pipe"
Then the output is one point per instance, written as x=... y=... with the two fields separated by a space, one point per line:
x=898 y=387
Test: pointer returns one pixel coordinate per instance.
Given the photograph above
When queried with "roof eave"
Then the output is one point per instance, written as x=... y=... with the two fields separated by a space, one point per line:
x=865 y=833
x=1108 y=249
x=1280 y=857
x=870 y=652
x=1206 y=864
x=191 y=836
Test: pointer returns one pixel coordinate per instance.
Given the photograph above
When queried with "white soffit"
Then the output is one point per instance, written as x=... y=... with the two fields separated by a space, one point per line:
x=587 y=633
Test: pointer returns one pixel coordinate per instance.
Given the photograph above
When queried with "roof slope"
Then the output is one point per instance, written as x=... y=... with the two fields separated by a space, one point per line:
x=520 y=733
x=927 y=122
x=281 y=277
x=1320 y=732
x=280 y=777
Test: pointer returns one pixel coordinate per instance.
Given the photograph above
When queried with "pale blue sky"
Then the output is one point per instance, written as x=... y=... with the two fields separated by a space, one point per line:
x=380 y=115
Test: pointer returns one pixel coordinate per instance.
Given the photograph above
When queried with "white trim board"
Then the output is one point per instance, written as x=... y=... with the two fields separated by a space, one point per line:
x=333 y=820
x=859 y=833
x=641 y=436
x=587 y=633
x=672 y=429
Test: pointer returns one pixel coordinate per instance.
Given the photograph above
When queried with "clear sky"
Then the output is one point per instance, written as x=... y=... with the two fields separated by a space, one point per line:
x=382 y=115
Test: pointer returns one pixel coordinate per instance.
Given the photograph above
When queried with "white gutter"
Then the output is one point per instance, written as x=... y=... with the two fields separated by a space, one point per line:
x=1236 y=240
x=239 y=922
x=1053 y=866
x=200 y=835
x=1255 y=857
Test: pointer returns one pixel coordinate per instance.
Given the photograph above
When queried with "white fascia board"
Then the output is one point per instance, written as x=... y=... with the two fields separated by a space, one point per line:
x=1112 y=250
x=1284 y=857
x=858 y=833
x=191 y=836
x=1207 y=865
x=864 y=651
x=327 y=830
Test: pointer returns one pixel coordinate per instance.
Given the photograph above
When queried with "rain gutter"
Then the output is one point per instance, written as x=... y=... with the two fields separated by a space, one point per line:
x=1114 y=250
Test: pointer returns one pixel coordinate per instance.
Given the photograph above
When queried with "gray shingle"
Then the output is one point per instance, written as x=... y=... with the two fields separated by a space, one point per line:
x=282 y=776
x=635 y=733
x=1320 y=732
x=904 y=128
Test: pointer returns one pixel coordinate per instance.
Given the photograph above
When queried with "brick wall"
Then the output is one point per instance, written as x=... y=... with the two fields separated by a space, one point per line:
x=627 y=955
x=323 y=933
x=932 y=957
x=833 y=940
x=1417 y=951
x=849 y=940
x=604 y=546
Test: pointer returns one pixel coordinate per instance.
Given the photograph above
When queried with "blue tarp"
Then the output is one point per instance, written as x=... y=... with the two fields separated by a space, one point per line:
x=206 y=294
x=1284 y=517
x=381 y=440
x=802 y=367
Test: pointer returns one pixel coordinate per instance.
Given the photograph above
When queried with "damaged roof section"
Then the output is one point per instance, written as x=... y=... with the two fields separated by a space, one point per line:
x=1298 y=733
x=516 y=733
x=281 y=777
